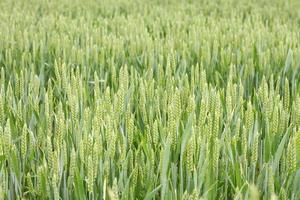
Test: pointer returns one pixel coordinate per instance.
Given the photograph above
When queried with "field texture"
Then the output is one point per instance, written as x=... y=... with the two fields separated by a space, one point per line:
x=150 y=100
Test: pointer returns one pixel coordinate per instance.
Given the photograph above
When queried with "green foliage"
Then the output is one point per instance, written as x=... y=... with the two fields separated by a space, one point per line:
x=149 y=100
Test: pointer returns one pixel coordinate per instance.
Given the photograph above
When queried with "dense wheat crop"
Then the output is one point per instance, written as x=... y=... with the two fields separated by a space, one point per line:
x=150 y=100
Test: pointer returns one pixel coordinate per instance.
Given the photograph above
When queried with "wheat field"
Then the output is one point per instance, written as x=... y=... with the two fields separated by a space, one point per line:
x=166 y=99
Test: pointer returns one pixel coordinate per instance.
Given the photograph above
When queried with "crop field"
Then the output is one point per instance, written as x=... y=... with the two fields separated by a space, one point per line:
x=149 y=100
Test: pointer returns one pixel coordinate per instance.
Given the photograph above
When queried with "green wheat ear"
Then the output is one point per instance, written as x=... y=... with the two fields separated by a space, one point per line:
x=271 y=182
x=249 y=117
x=90 y=174
x=296 y=111
x=72 y=168
x=39 y=180
x=55 y=168
x=7 y=136
x=229 y=100
x=191 y=147
x=216 y=153
x=297 y=143
x=282 y=194
x=24 y=142
x=112 y=143
x=2 y=104
x=130 y=129
x=275 y=120
x=155 y=131
x=245 y=145
x=291 y=156
x=286 y=101
x=29 y=183
x=115 y=189
x=59 y=128
x=217 y=116
x=264 y=93
x=254 y=149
